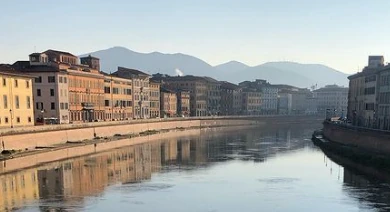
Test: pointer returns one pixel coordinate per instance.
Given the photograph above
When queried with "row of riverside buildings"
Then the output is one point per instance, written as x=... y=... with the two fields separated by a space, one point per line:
x=369 y=95
x=55 y=87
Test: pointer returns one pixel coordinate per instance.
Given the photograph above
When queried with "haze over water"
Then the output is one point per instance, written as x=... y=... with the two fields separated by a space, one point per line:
x=230 y=169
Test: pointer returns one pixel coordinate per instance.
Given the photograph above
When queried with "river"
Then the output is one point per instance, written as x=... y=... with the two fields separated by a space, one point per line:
x=219 y=169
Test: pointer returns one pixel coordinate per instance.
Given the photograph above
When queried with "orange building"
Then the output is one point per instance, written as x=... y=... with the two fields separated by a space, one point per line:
x=118 y=98
x=154 y=99
x=64 y=89
x=168 y=104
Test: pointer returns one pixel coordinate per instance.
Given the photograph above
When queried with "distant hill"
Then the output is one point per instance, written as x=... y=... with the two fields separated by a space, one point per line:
x=154 y=62
x=296 y=74
x=231 y=67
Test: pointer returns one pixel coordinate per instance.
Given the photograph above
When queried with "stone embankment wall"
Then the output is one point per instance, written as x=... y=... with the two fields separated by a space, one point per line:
x=46 y=156
x=46 y=136
x=373 y=140
x=49 y=138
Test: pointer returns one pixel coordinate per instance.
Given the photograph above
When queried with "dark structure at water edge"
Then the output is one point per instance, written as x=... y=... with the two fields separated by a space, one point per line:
x=363 y=146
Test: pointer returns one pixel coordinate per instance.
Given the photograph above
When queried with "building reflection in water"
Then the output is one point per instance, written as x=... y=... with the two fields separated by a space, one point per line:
x=370 y=192
x=69 y=182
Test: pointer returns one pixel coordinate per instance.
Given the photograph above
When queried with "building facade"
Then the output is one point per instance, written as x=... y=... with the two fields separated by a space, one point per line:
x=140 y=89
x=251 y=102
x=213 y=96
x=168 y=99
x=65 y=91
x=197 y=86
x=154 y=99
x=183 y=103
x=364 y=95
x=284 y=103
x=269 y=94
x=332 y=98
x=231 y=99
x=118 y=98
x=16 y=99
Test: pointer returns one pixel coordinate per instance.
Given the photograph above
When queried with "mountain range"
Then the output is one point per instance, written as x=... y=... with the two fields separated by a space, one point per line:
x=296 y=74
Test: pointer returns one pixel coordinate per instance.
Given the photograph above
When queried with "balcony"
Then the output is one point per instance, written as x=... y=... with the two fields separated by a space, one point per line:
x=87 y=105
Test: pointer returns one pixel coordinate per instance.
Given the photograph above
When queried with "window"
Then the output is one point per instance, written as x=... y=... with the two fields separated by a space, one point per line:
x=106 y=89
x=38 y=79
x=106 y=103
x=5 y=100
x=66 y=106
x=39 y=105
x=127 y=91
x=16 y=83
x=27 y=84
x=51 y=79
x=39 y=92
x=17 y=102
x=62 y=106
x=51 y=92
x=65 y=80
x=29 y=119
x=60 y=79
x=115 y=90
x=4 y=82
x=53 y=106
x=28 y=102
x=18 y=119
x=6 y=119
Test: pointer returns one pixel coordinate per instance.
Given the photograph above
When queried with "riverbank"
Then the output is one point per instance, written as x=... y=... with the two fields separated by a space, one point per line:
x=49 y=136
x=355 y=156
x=29 y=159
x=371 y=140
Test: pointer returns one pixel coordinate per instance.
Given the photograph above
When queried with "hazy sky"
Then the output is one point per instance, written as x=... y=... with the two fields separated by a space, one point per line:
x=340 y=34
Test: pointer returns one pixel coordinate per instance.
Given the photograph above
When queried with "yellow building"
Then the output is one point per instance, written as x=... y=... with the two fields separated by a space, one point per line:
x=154 y=99
x=118 y=99
x=16 y=98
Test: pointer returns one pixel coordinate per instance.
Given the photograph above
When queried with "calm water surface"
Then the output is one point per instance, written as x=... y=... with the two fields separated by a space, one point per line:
x=234 y=169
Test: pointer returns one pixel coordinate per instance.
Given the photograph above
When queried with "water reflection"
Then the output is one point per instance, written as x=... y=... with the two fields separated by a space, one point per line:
x=83 y=183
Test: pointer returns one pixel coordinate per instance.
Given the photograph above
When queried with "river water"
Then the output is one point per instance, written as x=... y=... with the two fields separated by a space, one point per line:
x=229 y=169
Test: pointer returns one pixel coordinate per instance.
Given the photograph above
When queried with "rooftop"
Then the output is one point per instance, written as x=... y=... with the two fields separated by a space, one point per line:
x=90 y=57
x=128 y=71
x=58 y=52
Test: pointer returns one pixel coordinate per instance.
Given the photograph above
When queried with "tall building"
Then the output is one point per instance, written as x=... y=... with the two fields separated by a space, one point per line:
x=231 y=99
x=284 y=103
x=251 y=102
x=213 y=96
x=363 y=96
x=86 y=93
x=183 y=103
x=383 y=96
x=154 y=99
x=197 y=86
x=269 y=94
x=140 y=89
x=118 y=99
x=168 y=100
x=333 y=99
x=64 y=90
x=16 y=99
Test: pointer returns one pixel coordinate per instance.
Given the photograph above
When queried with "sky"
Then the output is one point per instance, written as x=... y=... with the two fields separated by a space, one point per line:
x=339 y=34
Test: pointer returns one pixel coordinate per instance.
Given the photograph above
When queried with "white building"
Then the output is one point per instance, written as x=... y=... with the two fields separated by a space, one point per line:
x=269 y=99
x=332 y=100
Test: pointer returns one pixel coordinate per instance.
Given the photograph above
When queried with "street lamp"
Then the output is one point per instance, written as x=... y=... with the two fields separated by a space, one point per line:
x=10 y=111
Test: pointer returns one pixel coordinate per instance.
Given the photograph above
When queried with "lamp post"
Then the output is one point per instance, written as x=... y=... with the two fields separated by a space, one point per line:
x=11 y=114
